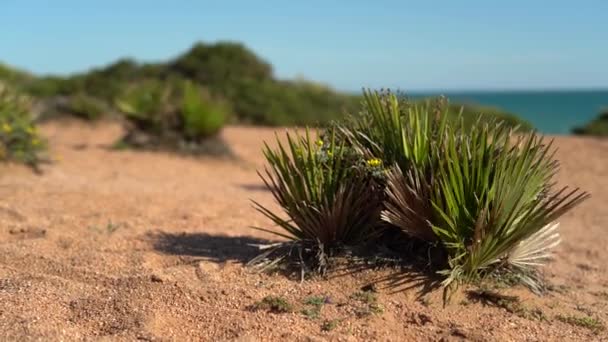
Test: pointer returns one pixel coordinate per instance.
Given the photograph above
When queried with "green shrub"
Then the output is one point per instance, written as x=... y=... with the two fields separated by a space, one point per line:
x=13 y=76
x=404 y=137
x=273 y=304
x=202 y=117
x=174 y=115
x=227 y=70
x=485 y=195
x=220 y=64
x=597 y=127
x=330 y=199
x=51 y=86
x=148 y=105
x=86 y=107
x=481 y=192
x=19 y=138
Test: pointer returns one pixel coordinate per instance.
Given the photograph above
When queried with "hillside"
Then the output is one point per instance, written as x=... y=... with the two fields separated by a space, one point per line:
x=230 y=72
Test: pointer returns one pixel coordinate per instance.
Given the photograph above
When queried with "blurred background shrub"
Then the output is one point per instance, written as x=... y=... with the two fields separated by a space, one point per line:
x=597 y=127
x=19 y=137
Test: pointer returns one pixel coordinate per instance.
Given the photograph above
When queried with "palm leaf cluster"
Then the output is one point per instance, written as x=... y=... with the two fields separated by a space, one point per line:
x=330 y=200
x=484 y=193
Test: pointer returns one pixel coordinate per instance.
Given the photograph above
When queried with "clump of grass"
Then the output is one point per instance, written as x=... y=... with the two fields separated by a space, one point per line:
x=590 y=323
x=366 y=297
x=273 y=304
x=20 y=140
x=330 y=199
x=368 y=304
x=314 y=303
x=329 y=325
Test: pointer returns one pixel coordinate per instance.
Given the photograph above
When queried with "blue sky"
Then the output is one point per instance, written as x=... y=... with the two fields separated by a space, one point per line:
x=411 y=45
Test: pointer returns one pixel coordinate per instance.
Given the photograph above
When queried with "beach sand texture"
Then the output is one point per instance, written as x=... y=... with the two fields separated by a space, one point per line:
x=127 y=245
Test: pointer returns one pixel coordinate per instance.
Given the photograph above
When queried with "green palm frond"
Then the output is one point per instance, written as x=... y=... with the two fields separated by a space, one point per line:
x=493 y=194
x=326 y=199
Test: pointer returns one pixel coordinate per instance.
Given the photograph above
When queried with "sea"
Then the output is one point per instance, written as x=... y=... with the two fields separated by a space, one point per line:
x=550 y=112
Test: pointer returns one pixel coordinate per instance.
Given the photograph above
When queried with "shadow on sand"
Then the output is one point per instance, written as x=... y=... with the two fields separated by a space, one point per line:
x=216 y=248
x=403 y=275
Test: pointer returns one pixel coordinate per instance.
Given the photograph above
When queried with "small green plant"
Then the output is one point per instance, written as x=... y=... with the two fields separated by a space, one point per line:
x=330 y=200
x=369 y=310
x=329 y=325
x=590 y=323
x=313 y=311
x=19 y=138
x=366 y=297
x=368 y=304
x=273 y=304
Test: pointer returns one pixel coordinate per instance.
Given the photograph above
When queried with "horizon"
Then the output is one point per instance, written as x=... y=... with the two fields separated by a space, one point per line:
x=488 y=48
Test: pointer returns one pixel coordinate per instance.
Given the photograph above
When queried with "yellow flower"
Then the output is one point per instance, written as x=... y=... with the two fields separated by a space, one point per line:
x=374 y=162
x=330 y=154
x=6 y=128
x=30 y=130
x=319 y=142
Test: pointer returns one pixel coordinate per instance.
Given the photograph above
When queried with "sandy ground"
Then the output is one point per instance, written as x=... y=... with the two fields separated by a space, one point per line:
x=124 y=245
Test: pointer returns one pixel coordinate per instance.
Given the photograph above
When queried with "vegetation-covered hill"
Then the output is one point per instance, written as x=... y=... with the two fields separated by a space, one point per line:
x=227 y=71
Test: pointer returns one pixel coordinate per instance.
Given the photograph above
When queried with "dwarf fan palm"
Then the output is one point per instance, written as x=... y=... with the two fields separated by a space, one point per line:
x=329 y=201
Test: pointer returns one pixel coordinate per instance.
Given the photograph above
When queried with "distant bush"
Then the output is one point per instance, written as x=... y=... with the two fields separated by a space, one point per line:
x=228 y=70
x=220 y=65
x=86 y=107
x=202 y=117
x=146 y=104
x=172 y=115
x=19 y=138
x=472 y=114
x=232 y=71
x=13 y=76
x=597 y=127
